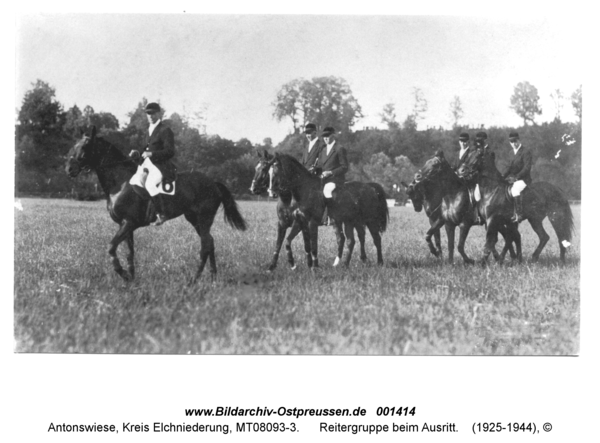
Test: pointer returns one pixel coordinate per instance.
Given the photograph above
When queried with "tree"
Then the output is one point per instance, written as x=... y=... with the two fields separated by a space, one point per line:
x=419 y=108
x=576 y=101
x=325 y=101
x=388 y=116
x=557 y=97
x=456 y=111
x=40 y=138
x=525 y=102
x=74 y=122
x=288 y=103
x=40 y=115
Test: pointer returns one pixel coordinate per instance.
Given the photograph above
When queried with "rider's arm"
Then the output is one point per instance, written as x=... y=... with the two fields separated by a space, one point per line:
x=527 y=163
x=343 y=167
x=168 y=143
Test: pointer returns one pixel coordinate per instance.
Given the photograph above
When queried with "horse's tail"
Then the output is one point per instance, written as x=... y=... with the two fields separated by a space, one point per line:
x=383 y=213
x=230 y=208
x=559 y=211
x=561 y=218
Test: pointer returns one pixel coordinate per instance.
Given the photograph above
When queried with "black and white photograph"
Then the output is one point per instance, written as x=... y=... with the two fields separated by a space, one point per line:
x=237 y=185
x=325 y=184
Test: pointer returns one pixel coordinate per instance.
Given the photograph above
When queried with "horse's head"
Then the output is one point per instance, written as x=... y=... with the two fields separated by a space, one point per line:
x=262 y=180
x=82 y=156
x=471 y=167
x=279 y=176
x=432 y=167
x=414 y=193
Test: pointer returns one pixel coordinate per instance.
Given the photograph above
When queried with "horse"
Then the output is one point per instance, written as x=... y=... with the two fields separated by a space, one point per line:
x=354 y=206
x=540 y=200
x=447 y=202
x=286 y=207
x=197 y=198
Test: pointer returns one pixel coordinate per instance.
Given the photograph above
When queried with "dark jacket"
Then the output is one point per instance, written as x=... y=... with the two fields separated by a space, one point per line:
x=336 y=162
x=162 y=145
x=520 y=165
x=458 y=161
x=310 y=158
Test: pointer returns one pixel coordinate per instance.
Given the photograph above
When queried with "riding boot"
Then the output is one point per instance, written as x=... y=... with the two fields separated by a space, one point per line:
x=518 y=217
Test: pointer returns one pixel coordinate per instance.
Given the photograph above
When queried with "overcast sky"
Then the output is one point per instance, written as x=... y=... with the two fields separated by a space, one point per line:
x=232 y=66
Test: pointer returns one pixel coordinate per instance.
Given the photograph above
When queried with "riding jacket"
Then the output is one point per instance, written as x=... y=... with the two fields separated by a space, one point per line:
x=162 y=146
x=336 y=162
x=520 y=165
x=310 y=158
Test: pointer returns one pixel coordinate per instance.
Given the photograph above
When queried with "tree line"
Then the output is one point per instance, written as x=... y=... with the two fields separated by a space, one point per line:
x=45 y=132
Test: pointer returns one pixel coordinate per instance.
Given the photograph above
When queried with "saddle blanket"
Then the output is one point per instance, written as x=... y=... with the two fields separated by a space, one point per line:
x=149 y=177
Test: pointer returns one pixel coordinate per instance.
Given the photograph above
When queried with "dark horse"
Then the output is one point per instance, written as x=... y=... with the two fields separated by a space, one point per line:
x=447 y=202
x=197 y=197
x=540 y=200
x=354 y=206
x=286 y=207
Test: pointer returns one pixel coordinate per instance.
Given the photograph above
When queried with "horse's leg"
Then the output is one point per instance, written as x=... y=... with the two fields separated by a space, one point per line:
x=341 y=239
x=491 y=237
x=464 y=232
x=130 y=256
x=202 y=226
x=450 y=230
x=124 y=232
x=438 y=241
x=280 y=235
x=360 y=231
x=511 y=234
x=349 y=231
x=435 y=227
x=288 y=243
x=313 y=228
x=374 y=230
x=538 y=227
x=306 y=237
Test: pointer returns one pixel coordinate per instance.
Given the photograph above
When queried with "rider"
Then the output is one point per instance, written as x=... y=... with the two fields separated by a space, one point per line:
x=481 y=142
x=311 y=153
x=160 y=148
x=518 y=173
x=333 y=163
x=463 y=141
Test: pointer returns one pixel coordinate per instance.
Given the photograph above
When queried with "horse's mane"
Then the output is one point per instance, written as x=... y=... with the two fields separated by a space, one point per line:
x=489 y=168
x=114 y=153
x=290 y=164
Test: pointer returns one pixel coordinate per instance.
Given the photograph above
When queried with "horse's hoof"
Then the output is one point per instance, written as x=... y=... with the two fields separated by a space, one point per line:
x=293 y=268
x=336 y=261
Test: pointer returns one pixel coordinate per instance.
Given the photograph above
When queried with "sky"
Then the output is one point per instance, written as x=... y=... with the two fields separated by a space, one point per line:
x=230 y=67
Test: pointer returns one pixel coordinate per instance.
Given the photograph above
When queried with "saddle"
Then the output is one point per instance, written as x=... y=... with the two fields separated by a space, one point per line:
x=149 y=181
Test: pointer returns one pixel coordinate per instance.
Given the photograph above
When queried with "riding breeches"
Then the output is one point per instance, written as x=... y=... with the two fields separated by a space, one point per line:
x=517 y=188
x=328 y=189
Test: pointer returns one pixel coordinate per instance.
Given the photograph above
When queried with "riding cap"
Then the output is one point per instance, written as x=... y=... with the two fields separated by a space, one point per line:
x=328 y=131
x=151 y=108
x=310 y=128
x=464 y=137
x=513 y=136
x=481 y=136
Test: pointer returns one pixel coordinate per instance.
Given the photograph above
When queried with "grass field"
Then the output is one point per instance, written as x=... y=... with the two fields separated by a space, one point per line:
x=68 y=299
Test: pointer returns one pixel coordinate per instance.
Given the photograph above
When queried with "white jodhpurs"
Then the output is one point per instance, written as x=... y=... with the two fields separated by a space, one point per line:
x=328 y=189
x=517 y=188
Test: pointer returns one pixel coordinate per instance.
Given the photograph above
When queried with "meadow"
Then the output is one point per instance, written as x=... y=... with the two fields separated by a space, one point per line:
x=69 y=300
